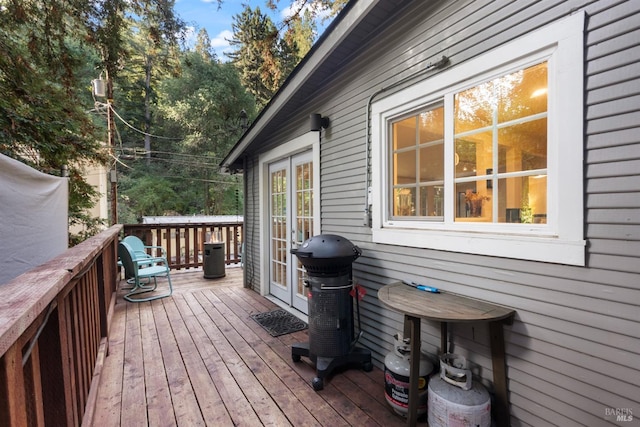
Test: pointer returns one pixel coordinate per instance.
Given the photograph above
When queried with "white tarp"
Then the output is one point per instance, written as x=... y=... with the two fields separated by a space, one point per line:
x=33 y=217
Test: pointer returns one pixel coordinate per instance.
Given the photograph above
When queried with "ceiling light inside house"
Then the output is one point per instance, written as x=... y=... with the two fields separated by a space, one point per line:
x=539 y=92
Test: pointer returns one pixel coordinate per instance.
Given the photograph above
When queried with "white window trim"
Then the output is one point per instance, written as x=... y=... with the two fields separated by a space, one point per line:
x=561 y=240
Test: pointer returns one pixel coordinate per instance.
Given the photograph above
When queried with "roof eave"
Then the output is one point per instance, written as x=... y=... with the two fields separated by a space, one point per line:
x=335 y=34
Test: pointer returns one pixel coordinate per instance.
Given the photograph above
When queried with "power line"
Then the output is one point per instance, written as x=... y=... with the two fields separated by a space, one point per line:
x=199 y=163
x=136 y=129
x=184 y=163
x=198 y=179
x=143 y=152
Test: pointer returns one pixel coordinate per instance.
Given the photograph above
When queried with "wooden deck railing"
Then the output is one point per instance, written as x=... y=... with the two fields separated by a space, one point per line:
x=184 y=242
x=54 y=321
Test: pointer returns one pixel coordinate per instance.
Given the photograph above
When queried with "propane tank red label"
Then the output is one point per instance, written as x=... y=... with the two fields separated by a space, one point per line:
x=396 y=387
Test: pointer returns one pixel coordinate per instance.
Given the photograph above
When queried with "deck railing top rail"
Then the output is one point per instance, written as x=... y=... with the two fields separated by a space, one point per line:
x=54 y=320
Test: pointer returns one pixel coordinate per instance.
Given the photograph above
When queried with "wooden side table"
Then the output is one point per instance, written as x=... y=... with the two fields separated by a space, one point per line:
x=445 y=307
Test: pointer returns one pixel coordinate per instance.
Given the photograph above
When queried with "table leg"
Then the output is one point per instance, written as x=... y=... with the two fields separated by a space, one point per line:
x=501 y=409
x=414 y=370
x=444 y=338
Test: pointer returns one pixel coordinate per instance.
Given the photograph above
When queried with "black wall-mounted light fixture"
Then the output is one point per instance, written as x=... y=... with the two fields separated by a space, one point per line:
x=318 y=122
x=244 y=119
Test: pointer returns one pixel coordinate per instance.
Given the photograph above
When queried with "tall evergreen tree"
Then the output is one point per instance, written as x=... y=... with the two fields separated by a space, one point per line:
x=148 y=63
x=256 y=56
x=265 y=54
x=45 y=47
x=43 y=122
x=301 y=33
x=203 y=45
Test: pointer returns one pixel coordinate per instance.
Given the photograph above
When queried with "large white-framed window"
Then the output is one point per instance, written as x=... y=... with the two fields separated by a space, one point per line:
x=487 y=157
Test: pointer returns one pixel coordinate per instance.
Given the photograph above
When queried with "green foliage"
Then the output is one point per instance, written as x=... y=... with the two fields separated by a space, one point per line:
x=50 y=51
x=42 y=112
x=152 y=196
x=257 y=56
x=266 y=54
x=299 y=36
x=204 y=103
x=200 y=108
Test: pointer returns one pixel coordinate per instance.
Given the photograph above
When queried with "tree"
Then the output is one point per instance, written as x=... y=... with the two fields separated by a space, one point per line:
x=265 y=54
x=203 y=45
x=46 y=49
x=148 y=63
x=42 y=110
x=316 y=9
x=256 y=55
x=300 y=34
x=197 y=112
x=204 y=105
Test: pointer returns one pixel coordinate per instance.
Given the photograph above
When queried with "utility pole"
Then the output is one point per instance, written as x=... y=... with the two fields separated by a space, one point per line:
x=111 y=143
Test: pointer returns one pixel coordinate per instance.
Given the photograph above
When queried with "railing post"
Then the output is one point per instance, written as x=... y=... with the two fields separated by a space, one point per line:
x=13 y=403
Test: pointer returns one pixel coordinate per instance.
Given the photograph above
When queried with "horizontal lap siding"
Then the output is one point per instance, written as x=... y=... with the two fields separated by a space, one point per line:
x=252 y=261
x=574 y=347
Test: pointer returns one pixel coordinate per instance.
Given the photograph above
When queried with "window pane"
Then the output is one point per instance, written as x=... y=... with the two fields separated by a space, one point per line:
x=431 y=125
x=405 y=166
x=431 y=163
x=522 y=94
x=431 y=200
x=404 y=133
x=474 y=154
x=473 y=201
x=523 y=146
x=404 y=202
x=523 y=199
x=474 y=108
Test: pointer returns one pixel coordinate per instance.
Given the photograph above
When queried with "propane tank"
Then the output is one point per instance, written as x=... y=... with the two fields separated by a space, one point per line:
x=455 y=399
x=396 y=377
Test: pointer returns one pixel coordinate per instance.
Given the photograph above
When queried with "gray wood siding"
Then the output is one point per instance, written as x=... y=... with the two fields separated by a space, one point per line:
x=251 y=225
x=574 y=348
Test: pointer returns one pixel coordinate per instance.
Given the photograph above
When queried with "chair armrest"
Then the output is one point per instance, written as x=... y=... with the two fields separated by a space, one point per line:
x=150 y=260
x=141 y=255
x=162 y=250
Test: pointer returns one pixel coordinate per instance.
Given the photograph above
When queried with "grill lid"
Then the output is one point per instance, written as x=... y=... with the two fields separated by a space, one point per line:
x=327 y=246
x=327 y=252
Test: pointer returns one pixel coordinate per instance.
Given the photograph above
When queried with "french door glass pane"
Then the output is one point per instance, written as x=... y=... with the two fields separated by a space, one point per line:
x=279 y=227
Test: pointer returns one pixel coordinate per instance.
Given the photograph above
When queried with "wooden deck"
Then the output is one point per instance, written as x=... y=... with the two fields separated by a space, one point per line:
x=197 y=358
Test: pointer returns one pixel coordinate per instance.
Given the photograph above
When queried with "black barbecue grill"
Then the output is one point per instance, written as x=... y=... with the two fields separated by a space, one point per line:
x=327 y=260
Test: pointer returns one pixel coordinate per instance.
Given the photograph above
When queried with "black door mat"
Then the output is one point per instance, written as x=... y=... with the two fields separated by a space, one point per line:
x=279 y=322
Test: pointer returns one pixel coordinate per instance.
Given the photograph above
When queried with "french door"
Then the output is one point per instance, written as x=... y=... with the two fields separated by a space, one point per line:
x=291 y=220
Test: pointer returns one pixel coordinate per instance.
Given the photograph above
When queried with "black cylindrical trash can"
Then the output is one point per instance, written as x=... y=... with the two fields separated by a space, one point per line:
x=213 y=262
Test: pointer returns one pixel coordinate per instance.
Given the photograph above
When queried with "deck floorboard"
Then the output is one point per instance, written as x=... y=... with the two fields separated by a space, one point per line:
x=197 y=358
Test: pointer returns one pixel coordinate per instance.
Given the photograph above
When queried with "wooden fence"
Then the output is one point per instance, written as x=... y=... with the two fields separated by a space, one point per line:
x=54 y=323
x=184 y=242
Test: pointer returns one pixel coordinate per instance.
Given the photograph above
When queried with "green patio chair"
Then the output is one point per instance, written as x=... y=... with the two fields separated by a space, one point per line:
x=140 y=253
x=140 y=250
x=143 y=273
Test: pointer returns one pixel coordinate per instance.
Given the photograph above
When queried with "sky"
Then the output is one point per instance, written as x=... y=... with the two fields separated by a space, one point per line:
x=217 y=20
